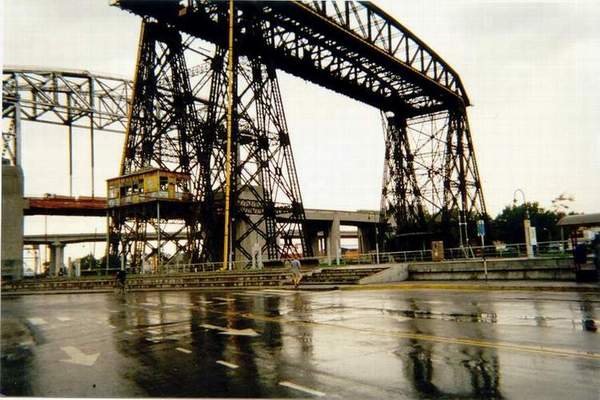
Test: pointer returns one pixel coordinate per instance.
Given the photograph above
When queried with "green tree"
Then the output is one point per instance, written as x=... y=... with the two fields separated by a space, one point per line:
x=88 y=263
x=508 y=225
x=114 y=262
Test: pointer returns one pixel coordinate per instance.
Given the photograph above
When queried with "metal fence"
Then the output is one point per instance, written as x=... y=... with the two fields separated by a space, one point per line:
x=514 y=250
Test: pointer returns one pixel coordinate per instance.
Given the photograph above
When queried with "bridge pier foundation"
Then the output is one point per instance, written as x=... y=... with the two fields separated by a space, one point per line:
x=12 y=222
x=57 y=257
x=311 y=234
x=334 y=242
x=366 y=238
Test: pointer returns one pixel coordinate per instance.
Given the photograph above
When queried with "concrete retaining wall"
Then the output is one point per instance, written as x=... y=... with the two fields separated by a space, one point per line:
x=546 y=269
x=395 y=273
x=555 y=269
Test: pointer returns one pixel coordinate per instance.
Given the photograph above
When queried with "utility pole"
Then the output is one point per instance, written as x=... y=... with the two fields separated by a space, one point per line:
x=526 y=223
x=226 y=233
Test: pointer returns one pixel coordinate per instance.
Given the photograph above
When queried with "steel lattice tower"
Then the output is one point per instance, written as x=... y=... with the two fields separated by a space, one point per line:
x=266 y=201
x=431 y=181
x=163 y=133
x=178 y=134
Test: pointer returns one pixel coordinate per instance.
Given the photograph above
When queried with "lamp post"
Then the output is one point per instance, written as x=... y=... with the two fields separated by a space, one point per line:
x=526 y=223
x=377 y=244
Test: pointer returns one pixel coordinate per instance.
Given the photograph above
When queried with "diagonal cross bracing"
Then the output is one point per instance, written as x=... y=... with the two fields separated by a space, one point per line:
x=385 y=64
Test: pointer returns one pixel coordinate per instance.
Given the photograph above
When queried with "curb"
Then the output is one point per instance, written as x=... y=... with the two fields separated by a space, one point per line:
x=479 y=286
x=476 y=287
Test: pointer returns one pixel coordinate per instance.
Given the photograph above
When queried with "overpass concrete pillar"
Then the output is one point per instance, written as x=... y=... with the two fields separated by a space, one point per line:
x=36 y=259
x=11 y=248
x=334 y=242
x=366 y=238
x=57 y=257
x=311 y=234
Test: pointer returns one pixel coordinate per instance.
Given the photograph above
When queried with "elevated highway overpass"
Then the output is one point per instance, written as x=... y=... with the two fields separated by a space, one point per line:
x=323 y=226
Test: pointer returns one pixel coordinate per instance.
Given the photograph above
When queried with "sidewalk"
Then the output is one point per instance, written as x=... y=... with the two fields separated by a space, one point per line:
x=552 y=286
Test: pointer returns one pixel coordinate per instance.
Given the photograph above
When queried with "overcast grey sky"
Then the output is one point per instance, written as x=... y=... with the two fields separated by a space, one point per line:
x=530 y=68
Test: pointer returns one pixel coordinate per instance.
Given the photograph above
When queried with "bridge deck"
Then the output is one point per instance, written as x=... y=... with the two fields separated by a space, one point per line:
x=65 y=205
x=354 y=48
x=96 y=207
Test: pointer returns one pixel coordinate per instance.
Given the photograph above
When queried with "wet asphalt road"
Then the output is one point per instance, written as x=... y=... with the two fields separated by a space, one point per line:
x=276 y=343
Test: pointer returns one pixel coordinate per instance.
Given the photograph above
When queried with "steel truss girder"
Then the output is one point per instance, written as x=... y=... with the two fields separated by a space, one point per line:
x=79 y=98
x=359 y=51
x=10 y=131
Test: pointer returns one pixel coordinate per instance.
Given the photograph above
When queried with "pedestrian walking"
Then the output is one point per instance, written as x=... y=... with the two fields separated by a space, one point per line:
x=296 y=274
x=120 y=280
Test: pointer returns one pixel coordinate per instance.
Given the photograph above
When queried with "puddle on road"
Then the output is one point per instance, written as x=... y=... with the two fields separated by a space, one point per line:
x=17 y=340
x=589 y=325
x=490 y=318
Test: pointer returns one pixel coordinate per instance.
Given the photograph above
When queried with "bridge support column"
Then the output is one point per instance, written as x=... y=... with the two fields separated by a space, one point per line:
x=334 y=243
x=366 y=239
x=57 y=257
x=311 y=233
x=12 y=222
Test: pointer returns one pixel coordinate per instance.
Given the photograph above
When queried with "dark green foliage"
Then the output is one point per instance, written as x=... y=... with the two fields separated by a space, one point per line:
x=508 y=225
x=88 y=263
x=114 y=262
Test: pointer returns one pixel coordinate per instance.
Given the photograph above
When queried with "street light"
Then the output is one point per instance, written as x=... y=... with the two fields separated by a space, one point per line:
x=526 y=223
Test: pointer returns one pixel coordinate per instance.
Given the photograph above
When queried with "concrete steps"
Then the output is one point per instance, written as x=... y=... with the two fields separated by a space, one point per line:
x=340 y=276
x=202 y=280
x=220 y=280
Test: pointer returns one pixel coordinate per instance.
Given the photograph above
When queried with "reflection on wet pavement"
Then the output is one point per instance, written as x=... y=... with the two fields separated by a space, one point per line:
x=277 y=343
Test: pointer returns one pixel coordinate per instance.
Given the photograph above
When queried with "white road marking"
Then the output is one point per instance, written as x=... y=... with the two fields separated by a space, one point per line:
x=208 y=326
x=178 y=335
x=79 y=357
x=37 y=321
x=63 y=319
x=255 y=294
x=223 y=299
x=228 y=365
x=149 y=304
x=240 y=332
x=302 y=388
x=231 y=332
x=181 y=349
x=280 y=291
x=204 y=302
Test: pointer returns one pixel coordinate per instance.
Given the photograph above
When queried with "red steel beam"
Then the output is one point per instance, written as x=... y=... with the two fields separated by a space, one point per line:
x=65 y=205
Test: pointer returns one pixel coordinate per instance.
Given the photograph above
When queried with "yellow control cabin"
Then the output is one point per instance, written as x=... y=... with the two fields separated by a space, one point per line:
x=148 y=185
